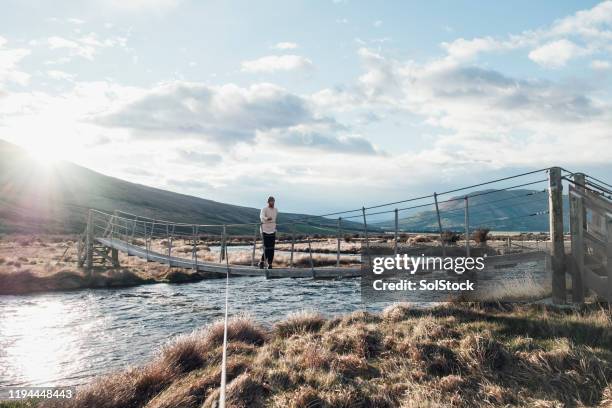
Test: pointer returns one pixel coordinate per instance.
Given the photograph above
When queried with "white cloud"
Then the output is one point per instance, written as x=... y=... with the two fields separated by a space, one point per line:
x=285 y=46
x=462 y=49
x=85 y=46
x=273 y=63
x=601 y=65
x=9 y=61
x=585 y=32
x=587 y=23
x=555 y=54
x=133 y=6
x=479 y=110
x=60 y=75
x=75 y=48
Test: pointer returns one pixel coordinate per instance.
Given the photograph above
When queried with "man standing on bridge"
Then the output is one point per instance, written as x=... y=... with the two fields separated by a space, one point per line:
x=268 y=230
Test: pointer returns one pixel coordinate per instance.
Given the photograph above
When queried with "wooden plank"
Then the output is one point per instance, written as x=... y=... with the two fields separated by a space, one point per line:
x=595 y=241
x=576 y=261
x=595 y=282
x=598 y=201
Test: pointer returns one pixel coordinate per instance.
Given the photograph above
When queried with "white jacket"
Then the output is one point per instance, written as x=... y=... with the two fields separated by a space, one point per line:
x=268 y=219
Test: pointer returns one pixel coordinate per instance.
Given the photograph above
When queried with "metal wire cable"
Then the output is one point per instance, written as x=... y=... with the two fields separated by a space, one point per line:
x=599 y=181
x=302 y=220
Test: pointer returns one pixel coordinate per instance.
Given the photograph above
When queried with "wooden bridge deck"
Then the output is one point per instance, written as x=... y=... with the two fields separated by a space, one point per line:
x=218 y=269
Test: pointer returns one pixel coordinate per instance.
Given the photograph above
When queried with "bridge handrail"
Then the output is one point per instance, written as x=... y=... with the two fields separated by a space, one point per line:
x=305 y=220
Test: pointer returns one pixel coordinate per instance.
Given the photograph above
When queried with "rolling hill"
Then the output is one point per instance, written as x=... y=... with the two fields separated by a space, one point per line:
x=497 y=210
x=55 y=199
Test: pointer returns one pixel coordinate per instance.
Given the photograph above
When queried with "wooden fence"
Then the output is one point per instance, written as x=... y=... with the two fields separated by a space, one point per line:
x=590 y=263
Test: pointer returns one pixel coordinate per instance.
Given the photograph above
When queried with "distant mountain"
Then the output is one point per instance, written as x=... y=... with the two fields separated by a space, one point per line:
x=498 y=210
x=55 y=199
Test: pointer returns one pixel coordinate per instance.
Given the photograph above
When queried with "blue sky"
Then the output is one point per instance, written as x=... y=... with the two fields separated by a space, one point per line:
x=325 y=104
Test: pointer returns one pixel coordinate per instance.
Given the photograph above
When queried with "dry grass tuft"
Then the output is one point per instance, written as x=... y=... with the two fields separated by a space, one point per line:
x=245 y=391
x=359 y=340
x=239 y=329
x=397 y=312
x=299 y=323
x=186 y=353
x=477 y=355
x=481 y=350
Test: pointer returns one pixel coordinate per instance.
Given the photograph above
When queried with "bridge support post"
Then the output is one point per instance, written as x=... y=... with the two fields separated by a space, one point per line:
x=440 y=225
x=310 y=256
x=557 y=252
x=254 y=245
x=467 y=227
x=115 y=258
x=367 y=240
x=292 y=245
x=338 y=246
x=577 y=223
x=89 y=242
x=395 y=230
x=222 y=248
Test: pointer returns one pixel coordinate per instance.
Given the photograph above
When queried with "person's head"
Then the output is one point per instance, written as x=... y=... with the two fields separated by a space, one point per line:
x=271 y=202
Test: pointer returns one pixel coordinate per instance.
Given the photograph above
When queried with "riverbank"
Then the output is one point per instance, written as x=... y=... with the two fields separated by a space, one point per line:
x=47 y=263
x=451 y=355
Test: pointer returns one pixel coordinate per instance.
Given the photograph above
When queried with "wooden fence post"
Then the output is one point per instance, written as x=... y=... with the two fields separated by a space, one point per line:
x=365 y=230
x=222 y=249
x=338 y=246
x=577 y=218
x=194 y=249
x=311 y=260
x=608 y=218
x=89 y=242
x=254 y=245
x=440 y=225
x=396 y=231
x=557 y=252
x=168 y=242
x=195 y=242
x=292 y=245
x=467 y=227
x=134 y=230
x=115 y=258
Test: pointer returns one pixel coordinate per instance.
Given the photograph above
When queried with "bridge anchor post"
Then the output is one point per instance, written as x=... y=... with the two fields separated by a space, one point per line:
x=557 y=252
x=115 y=258
x=89 y=243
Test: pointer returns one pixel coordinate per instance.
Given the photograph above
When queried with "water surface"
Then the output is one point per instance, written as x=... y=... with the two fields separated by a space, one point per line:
x=67 y=338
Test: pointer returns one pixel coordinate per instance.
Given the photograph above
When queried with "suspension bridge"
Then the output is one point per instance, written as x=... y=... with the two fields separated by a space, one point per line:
x=589 y=262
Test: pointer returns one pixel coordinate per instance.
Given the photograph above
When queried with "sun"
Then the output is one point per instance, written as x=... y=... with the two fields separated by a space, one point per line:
x=47 y=153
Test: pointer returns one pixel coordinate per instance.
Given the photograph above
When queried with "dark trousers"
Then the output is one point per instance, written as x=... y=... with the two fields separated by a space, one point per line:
x=268 y=241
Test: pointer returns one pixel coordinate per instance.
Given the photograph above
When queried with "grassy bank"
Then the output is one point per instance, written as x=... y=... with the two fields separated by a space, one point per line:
x=452 y=355
x=41 y=263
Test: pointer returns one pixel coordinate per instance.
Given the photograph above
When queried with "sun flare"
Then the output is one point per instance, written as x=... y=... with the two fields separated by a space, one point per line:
x=47 y=153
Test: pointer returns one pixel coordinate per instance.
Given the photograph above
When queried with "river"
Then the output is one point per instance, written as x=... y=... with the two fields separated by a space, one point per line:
x=67 y=338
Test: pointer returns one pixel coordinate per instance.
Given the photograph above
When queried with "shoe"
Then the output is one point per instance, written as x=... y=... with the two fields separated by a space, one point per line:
x=269 y=266
x=261 y=265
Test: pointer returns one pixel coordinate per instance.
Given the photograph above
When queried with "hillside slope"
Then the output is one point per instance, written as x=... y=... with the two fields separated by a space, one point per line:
x=54 y=199
x=498 y=210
